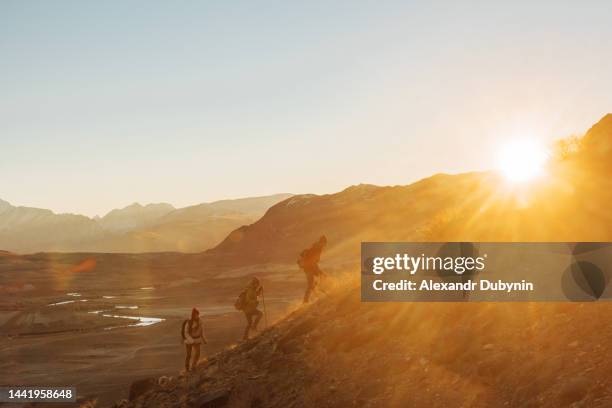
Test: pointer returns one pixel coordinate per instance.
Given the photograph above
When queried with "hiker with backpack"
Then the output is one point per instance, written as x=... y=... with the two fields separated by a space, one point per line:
x=193 y=336
x=248 y=302
x=309 y=262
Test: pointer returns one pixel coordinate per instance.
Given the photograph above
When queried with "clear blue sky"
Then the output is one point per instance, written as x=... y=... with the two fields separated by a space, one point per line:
x=107 y=103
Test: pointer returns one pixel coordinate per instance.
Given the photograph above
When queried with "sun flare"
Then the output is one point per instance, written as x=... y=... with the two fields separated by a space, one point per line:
x=522 y=160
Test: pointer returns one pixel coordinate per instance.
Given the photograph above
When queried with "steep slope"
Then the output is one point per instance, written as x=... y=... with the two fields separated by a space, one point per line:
x=340 y=352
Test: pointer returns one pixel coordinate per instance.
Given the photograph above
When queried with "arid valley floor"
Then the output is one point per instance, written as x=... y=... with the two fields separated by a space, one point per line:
x=64 y=326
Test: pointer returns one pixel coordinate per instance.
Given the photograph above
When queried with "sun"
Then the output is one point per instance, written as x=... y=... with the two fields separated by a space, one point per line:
x=522 y=160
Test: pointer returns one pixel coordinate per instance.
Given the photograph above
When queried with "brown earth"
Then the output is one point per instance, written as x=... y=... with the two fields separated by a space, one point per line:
x=340 y=352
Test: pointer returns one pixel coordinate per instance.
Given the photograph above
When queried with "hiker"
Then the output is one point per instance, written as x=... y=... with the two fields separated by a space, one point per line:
x=309 y=262
x=248 y=302
x=193 y=336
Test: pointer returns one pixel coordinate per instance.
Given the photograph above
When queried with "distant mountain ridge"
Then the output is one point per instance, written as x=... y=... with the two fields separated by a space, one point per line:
x=136 y=228
x=134 y=216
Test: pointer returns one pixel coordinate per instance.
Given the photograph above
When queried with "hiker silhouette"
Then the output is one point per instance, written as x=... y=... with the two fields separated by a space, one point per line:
x=308 y=261
x=247 y=301
x=193 y=336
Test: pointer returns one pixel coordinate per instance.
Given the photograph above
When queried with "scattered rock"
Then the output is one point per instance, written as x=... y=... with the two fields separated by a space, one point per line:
x=122 y=404
x=166 y=383
x=575 y=389
x=211 y=370
x=140 y=387
x=296 y=332
x=290 y=347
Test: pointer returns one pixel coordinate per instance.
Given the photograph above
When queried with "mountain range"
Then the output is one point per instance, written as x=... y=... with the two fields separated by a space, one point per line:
x=570 y=204
x=135 y=228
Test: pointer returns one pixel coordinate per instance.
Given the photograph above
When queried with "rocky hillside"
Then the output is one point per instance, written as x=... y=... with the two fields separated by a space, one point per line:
x=340 y=352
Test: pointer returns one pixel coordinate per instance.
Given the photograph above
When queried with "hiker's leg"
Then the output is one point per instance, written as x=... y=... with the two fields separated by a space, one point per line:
x=309 y=287
x=249 y=318
x=318 y=274
x=196 y=356
x=320 y=279
x=187 y=356
x=258 y=316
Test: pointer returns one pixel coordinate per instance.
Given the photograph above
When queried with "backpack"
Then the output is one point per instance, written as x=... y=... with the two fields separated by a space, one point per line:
x=186 y=322
x=302 y=258
x=240 y=303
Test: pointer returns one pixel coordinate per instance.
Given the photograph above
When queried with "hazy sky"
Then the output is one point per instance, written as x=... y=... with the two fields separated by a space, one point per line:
x=107 y=103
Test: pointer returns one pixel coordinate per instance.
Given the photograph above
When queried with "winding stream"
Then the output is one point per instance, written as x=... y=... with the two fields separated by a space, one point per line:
x=107 y=310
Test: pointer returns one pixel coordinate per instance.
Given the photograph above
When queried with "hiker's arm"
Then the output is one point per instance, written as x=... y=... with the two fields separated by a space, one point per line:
x=188 y=339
